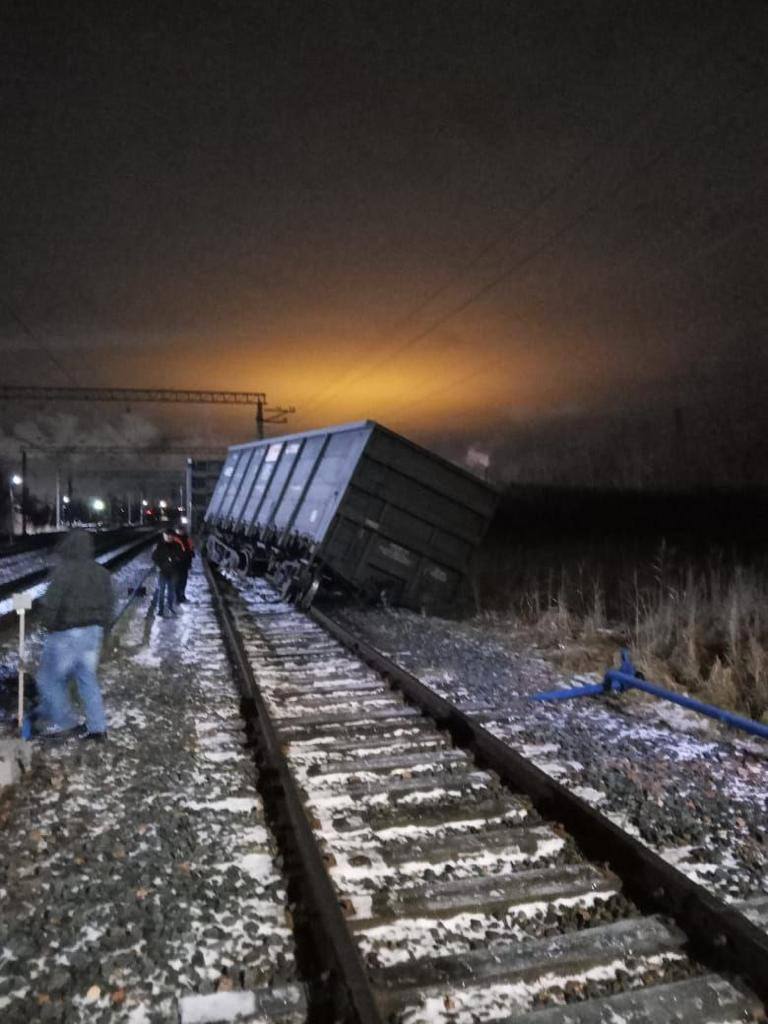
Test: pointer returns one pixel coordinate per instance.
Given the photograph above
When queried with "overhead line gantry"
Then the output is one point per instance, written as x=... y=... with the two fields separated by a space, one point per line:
x=10 y=392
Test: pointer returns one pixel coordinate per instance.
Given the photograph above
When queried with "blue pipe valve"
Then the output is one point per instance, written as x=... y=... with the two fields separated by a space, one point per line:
x=612 y=681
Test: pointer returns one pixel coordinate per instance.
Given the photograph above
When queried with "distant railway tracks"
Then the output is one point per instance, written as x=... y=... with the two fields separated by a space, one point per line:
x=113 y=548
x=444 y=876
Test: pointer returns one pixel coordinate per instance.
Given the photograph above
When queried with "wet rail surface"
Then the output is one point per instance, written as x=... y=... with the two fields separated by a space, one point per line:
x=442 y=889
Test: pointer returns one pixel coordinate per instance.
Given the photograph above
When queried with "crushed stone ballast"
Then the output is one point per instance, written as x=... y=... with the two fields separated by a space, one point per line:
x=140 y=881
x=461 y=900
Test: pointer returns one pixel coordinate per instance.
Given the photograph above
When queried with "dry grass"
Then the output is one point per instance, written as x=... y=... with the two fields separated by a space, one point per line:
x=702 y=629
x=710 y=637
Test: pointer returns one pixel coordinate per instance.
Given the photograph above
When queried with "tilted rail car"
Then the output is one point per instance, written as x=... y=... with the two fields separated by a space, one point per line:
x=354 y=505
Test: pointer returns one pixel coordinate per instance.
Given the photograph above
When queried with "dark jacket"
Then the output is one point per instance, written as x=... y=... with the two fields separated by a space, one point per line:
x=187 y=547
x=168 y=556
x=80 y=591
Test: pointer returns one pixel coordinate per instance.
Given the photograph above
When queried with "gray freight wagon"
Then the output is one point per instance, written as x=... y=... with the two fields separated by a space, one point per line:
x=355 y=504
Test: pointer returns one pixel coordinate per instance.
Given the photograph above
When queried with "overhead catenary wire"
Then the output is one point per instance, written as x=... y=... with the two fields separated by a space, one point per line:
x=551 y=240
x=18 y=319
x=646 y=116
x=736 y=233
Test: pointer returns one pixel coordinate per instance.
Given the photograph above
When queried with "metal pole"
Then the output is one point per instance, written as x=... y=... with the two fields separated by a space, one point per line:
x=22 y=602
x=58 y=499
x=24 y=492
x=260 y=419
x=22 y=651
x=188 y=483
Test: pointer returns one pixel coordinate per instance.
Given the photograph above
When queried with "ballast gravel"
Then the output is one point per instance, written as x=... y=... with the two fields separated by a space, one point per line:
x=693 y=791
x=140 y=871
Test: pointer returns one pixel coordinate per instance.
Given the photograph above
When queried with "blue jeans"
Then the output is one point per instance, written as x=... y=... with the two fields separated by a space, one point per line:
x=71 y=652
x=166 y=588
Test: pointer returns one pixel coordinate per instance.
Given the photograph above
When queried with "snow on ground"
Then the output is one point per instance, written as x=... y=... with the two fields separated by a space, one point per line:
x=19 y=565
x=138 y=871
x=694 y=791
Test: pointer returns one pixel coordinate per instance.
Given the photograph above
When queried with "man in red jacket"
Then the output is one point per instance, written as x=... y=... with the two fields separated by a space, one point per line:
x=188 y=553
x=167 y=556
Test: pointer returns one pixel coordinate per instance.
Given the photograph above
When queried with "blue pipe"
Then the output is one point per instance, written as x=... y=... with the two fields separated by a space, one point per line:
x=592 y=690
x=618 y=680
x=626 y=677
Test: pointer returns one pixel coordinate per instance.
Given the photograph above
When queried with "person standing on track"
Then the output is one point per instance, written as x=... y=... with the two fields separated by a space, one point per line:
x=188 y=550
x=167 y=556
x=77 y=606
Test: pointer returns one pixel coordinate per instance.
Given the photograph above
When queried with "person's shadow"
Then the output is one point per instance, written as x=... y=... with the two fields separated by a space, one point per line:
x=147 y=630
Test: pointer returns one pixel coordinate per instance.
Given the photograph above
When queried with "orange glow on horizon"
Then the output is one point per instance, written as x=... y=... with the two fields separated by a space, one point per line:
x=474 y=380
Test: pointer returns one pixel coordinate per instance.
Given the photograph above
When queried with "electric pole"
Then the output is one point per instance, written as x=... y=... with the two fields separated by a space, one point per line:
x=24 y=492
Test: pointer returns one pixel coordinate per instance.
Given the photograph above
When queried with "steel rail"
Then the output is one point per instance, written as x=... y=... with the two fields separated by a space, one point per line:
x=31 y=579
x=333 y=935
x=719 y=935
x=32 y=542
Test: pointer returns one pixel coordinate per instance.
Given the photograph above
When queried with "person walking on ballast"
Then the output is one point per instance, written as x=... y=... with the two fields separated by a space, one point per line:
x=188 y=553
x=76 y=608
x=167 y=557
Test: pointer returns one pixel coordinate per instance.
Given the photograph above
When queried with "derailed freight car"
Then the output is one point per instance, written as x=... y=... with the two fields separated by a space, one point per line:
x=354 y=505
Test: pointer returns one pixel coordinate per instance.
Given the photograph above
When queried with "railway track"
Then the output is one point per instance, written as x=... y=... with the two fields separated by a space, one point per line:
x=33 y=542
x=447 y=878
x=112 y=550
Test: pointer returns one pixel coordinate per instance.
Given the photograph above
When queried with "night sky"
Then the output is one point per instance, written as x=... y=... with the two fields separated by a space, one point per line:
x=533 y=228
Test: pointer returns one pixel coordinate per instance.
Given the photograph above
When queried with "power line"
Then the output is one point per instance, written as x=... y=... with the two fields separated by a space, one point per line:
x=345 y=381
x=489 y=365
x=38 y=341
x=539 y=250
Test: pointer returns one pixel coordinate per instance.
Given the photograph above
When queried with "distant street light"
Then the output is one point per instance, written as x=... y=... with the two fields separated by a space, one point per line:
x=144 y=502
x=98 y=505
x=16 y=480
x=65 y=499
x=163 y=504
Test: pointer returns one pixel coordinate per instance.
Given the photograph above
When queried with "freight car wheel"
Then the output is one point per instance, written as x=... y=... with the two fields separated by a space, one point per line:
x=308 y=596
x=246 y=559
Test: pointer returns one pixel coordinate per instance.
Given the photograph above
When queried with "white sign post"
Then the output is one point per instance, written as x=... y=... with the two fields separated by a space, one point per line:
x=22 y=603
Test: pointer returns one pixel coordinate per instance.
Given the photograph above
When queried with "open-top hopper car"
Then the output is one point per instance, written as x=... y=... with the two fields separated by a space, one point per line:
x=355 y=505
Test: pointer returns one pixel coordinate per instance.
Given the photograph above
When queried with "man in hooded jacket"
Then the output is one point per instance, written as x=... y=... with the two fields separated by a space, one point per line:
x=77 y=606
x=167 y=556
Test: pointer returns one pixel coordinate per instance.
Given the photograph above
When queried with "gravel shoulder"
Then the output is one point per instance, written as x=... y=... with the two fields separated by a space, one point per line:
x=140 y=871
x=694 y=792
